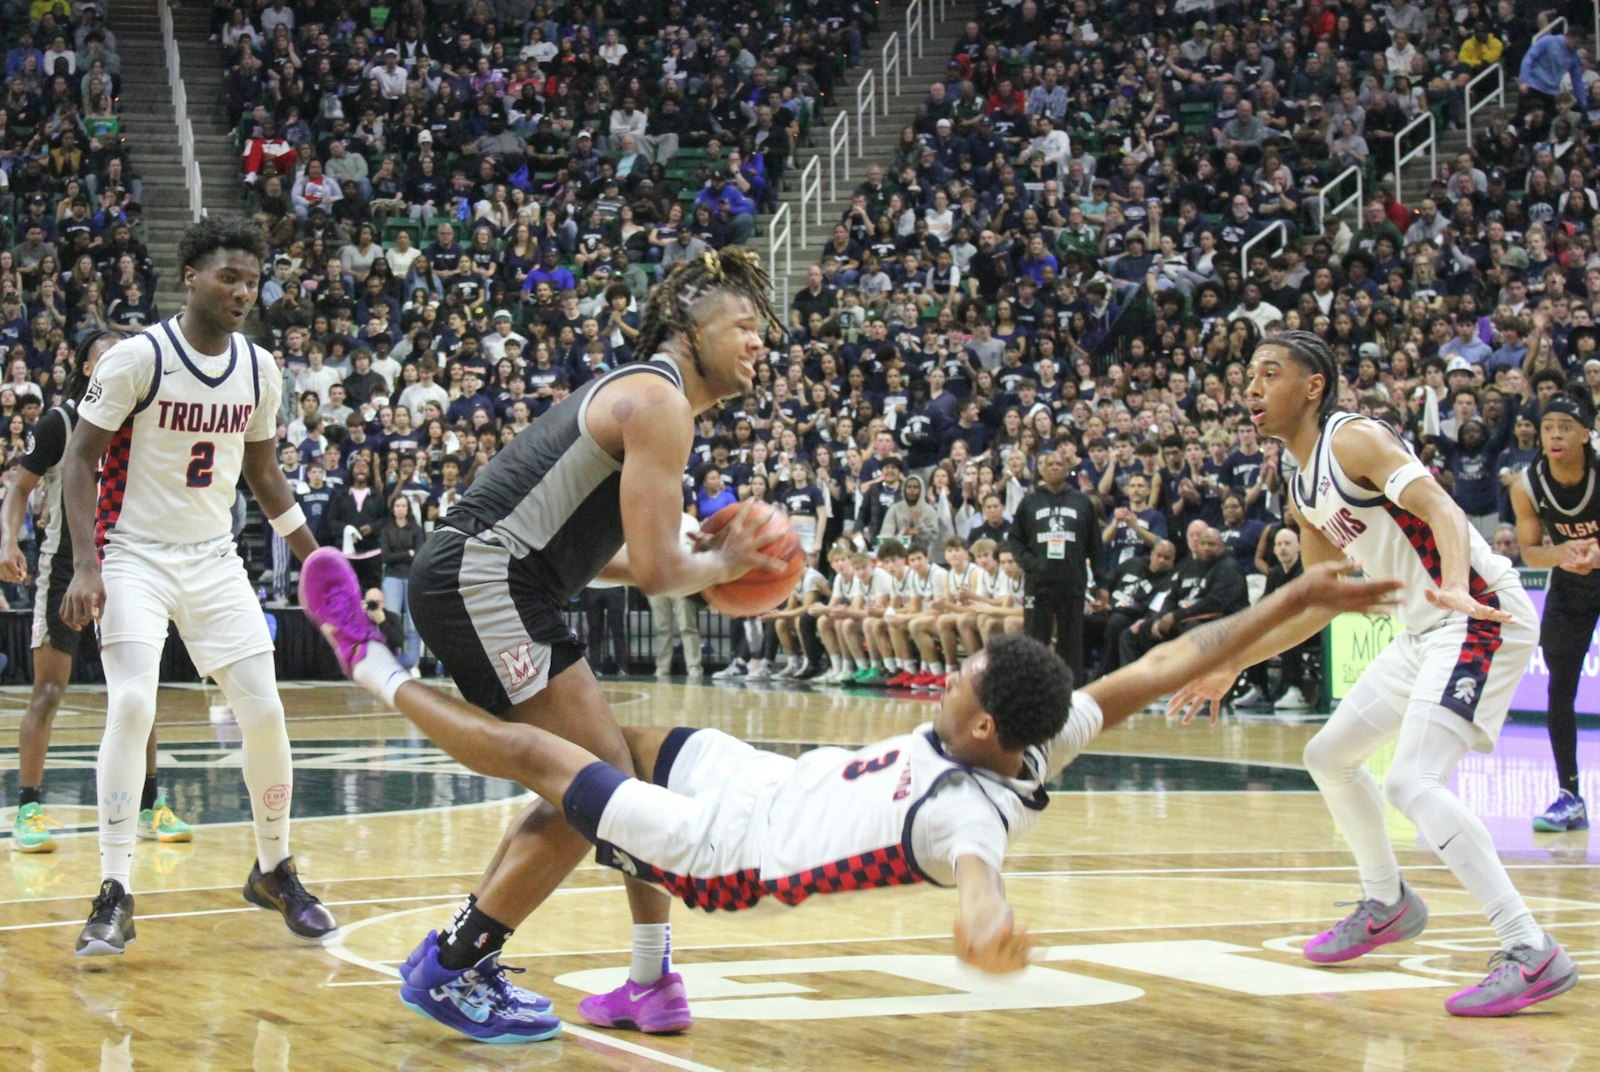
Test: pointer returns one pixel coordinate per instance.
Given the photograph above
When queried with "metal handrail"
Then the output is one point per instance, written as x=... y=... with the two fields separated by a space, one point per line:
x=1498 y=93
x=1320 y=197
x=1429 y=145
x=838 y=154
x=180 y=109
x=866 y=112
x=1555 y=25
x=1276 y=227
x=810 y=195
x=890 y=68
x=914 y=37
x=778 y=238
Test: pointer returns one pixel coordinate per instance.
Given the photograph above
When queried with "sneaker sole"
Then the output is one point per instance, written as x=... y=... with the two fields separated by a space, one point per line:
x=1542 y=827
x=672 y=1028
x=33 y=850
x=493 y=1040
x=1518 y=1003
x=98 y=948
x=166 y=839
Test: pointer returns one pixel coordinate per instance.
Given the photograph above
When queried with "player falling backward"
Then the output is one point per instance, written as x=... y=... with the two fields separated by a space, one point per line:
x=1442 y=687
x=721 y=824
x=177 y=412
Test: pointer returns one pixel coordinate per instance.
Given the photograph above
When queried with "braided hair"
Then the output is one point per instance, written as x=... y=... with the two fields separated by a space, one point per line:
x=1312 y=353
x=78 y=379
x=671 y=310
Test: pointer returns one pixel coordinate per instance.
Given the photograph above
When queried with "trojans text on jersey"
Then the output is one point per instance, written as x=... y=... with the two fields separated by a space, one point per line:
x=221 y=418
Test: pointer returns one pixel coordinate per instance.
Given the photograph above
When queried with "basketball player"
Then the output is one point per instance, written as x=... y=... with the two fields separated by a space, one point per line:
x=962 y=623
x=841 y=664
x=962 y=574
x=1005 y=605
x=930 y=585
x=489 y=591
x=55 y=645
x=1557 y=494
x=873 y=590
x=1442 y=687
x=723 y=825
x=178 y=412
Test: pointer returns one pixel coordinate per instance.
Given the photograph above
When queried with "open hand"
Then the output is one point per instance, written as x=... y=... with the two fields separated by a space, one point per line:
x=1459 y=599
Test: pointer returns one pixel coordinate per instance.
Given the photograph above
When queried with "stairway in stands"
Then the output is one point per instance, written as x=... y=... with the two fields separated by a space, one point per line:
x=878 y=148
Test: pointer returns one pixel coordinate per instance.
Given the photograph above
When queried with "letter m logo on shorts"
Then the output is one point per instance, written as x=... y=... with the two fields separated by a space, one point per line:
x=521 y=666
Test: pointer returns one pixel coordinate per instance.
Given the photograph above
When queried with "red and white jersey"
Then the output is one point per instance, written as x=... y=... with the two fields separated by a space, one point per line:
x=180 y=420
x=1384 y=539
x=902 y=810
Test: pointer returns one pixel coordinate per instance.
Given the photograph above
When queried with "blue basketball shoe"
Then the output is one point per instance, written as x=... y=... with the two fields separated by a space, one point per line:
x=476 y=1001
x=526 y=998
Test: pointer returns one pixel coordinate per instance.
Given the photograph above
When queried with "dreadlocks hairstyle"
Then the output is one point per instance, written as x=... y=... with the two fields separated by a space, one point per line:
x=672 y=309
x=77 y=379
x=1310 y=352
x=212 y=233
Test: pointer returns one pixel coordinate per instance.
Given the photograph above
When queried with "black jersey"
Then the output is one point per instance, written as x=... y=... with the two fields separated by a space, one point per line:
x=553 y=496
x=46 y=446
x=1569 y=512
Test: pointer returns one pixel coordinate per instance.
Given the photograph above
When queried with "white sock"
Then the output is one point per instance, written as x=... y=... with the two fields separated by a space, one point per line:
x=380 y=673
x=892 y=663
x=936 y=668
x=132 y=670
x=652 y=952
x=847 y=665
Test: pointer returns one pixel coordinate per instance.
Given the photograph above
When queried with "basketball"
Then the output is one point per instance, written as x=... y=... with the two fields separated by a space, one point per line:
x=760 y=590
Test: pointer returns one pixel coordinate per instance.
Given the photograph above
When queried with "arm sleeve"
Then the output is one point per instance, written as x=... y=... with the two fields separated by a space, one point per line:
x=264 y=421
x=121 y=379
x=47 y=442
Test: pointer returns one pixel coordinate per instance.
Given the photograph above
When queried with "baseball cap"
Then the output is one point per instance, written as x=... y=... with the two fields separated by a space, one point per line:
x=425 y=136
x=502 y=314
x=1514 y=257
x=943 y=123
x=1370 y=349
x=1458 y=364
x=586 y=134
x=1201 y=26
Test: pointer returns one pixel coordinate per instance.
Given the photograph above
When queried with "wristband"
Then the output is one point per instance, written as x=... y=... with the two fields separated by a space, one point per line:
x=288 y=521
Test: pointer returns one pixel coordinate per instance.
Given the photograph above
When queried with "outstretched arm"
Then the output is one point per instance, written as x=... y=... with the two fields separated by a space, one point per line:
x=987 y=936
x=1243 y=638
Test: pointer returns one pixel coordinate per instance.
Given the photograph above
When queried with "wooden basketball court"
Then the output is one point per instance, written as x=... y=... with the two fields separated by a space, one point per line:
x=1171 y=882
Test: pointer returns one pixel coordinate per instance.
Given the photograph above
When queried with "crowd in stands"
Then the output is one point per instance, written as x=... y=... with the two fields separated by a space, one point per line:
x=73 y=256
x=468 y=204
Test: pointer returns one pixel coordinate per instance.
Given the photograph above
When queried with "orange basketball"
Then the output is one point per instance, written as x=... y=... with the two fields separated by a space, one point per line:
x=759 y=590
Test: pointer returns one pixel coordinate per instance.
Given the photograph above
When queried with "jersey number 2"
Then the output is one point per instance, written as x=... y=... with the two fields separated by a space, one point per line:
x=201 y=460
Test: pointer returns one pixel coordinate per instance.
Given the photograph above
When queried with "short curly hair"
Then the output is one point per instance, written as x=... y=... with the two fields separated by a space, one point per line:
x=212 y=233
x=1026 y=688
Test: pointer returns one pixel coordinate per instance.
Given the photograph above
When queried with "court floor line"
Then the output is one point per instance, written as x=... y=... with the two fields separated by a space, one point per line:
x=1484 y=928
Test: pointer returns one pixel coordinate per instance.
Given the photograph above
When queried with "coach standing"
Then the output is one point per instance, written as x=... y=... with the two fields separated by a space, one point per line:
x=1054 y=538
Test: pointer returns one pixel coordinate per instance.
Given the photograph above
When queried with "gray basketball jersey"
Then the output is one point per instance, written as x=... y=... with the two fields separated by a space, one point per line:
x=553 y=497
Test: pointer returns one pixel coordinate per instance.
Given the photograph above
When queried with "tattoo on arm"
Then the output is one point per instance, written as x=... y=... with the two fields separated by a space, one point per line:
x=1213 y=636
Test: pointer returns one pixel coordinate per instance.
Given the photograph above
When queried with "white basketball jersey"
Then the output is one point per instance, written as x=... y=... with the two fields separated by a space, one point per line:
x=933 y=586
x=882 y=584
x=180 y=421
x=1006 y=585
x=901 y=810
x=987 y=586
x=1384 y=539
x=964 y=579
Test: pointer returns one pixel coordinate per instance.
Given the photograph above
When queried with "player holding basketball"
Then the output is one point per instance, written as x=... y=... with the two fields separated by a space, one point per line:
x=1444 y=686
x=723 y=825
x=55 y=644
x=488 y=592
x=1558 y=494
x=177 y=412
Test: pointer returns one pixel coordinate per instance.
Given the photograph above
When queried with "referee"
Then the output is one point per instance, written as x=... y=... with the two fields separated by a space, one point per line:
x=1055 y=537
x=1558 y=494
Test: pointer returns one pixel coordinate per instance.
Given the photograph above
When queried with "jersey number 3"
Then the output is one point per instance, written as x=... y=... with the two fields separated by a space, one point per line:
x=870 y=766
x=201 y=460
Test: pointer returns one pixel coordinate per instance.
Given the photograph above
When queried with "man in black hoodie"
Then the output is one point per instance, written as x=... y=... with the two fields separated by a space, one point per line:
x=1055 y=537
x=1221 y=591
